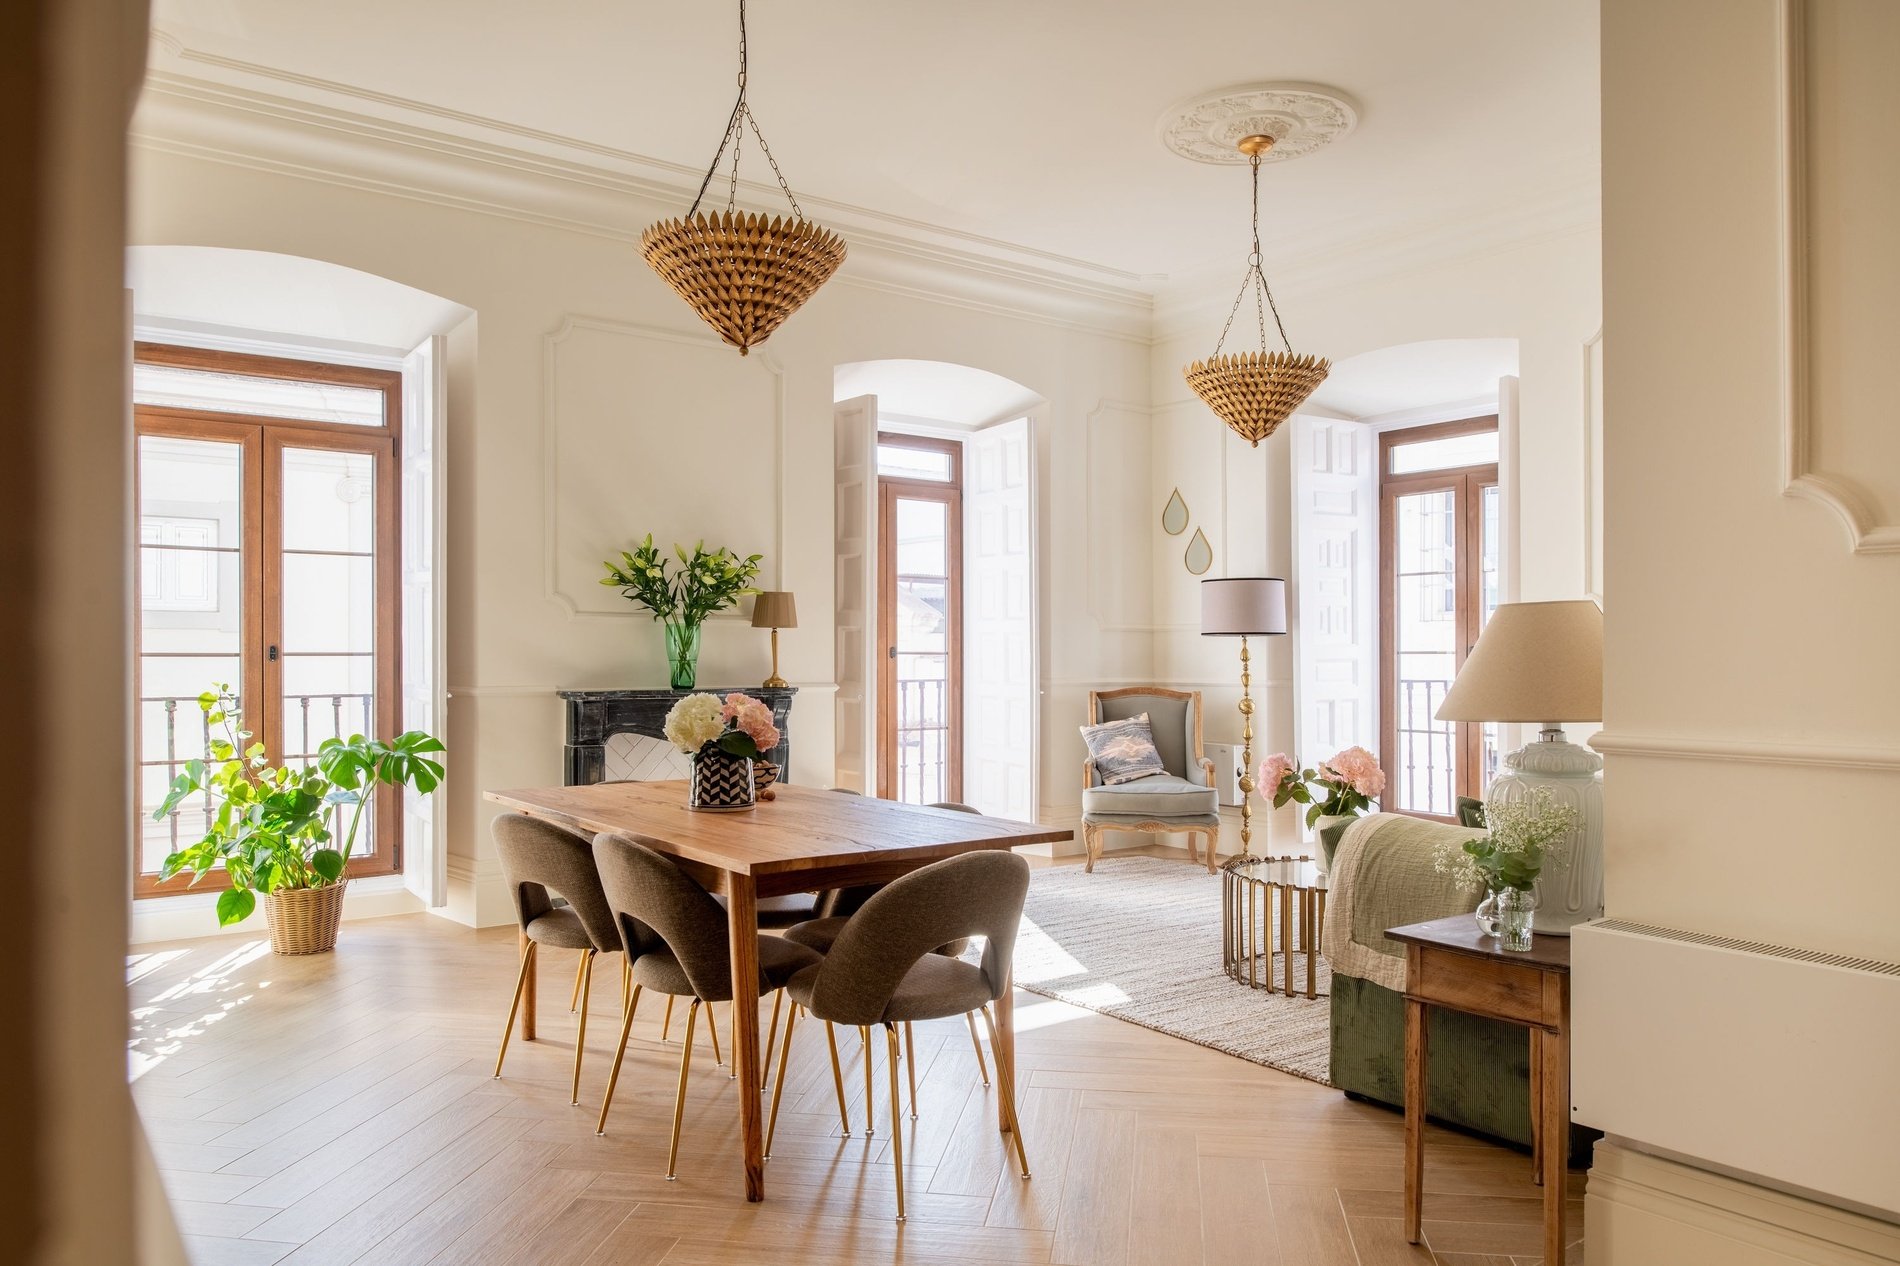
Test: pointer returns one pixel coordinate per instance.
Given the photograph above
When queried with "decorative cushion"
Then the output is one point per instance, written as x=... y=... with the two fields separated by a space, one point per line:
x=1470 y=812
x=1123 y=750
x=1155 y=796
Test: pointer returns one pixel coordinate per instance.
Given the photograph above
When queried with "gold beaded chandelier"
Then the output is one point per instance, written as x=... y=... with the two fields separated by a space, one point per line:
x=1254 y=392
x=742 y=273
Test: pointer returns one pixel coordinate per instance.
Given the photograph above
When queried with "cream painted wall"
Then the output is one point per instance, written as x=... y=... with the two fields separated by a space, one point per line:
x=1752 y=680
x=1545 y=294
x=594 y=408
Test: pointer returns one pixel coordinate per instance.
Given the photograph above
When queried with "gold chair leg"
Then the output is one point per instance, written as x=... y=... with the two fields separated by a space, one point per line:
x=580 y=1033
x=712 y=1031
x=580 y=971
x=837 y=1079
x=521 y=984
x=679 y=1099
x=666 y=1021
x=897 y=1133
x=977 y=1044
x=613 y=1074
x=1008 y=1089
x=870 y=1101
x=626 y=985
x=778 y=1092
x=771 y=1037
x=910 y=1067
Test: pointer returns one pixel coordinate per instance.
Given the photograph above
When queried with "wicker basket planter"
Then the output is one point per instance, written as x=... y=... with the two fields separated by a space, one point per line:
x=304 y=920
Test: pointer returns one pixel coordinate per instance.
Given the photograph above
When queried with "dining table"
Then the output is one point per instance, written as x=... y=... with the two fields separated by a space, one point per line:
x=802 y=840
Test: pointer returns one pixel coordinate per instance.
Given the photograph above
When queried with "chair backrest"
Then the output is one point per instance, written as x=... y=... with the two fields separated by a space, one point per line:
x=958 y=805
x=977 y=894
x=1173 y=715
x=657 y=905
x=540 y=860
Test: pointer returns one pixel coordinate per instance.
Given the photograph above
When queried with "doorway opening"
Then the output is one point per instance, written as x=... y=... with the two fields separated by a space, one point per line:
x=920 y=618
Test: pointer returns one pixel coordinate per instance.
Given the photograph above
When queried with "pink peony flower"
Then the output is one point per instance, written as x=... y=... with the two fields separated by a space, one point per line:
x=1356 y=768
x=1273 y=773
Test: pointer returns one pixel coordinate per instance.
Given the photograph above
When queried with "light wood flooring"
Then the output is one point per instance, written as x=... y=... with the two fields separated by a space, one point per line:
x=339 y=1108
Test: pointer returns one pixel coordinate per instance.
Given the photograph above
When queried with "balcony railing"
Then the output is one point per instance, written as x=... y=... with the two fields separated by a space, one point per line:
x=1428 y=749
x=923 y=737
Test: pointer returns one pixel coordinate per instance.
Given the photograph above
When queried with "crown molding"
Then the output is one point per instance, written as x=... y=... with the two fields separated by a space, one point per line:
x=533 y=177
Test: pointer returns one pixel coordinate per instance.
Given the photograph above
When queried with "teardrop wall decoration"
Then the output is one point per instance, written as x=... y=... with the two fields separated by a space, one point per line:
x=1200 y=555
x=1174 y=515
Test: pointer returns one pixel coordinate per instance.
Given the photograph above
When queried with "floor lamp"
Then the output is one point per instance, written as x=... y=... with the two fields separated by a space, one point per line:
x=1244 y=607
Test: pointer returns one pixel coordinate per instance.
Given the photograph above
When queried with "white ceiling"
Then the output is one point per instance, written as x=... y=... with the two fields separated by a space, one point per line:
x=1394 y=380
x=1030 y=122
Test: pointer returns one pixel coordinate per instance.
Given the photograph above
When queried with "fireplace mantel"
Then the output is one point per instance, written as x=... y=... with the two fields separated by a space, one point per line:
x=594 y=716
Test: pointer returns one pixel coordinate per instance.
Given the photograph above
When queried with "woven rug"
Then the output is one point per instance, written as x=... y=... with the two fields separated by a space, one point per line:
x=1140 y=940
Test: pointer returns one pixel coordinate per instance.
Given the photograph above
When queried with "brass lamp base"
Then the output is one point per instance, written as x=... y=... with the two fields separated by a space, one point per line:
x=774 y=682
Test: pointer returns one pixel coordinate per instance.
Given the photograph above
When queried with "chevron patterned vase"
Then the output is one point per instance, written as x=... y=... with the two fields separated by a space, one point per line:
x=721 y=781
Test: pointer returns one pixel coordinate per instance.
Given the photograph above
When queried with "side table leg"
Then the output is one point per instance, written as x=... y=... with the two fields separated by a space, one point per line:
x=1556 y=1105
x=1415 y=1057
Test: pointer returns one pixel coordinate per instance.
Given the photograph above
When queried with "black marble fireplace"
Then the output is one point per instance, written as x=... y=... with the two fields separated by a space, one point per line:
x=593 y=716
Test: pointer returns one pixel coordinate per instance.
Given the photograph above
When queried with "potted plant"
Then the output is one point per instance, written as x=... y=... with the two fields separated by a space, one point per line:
x=1337 y=791
x=725 y=741
x=706 y=583
x=1525 y=832
x=271 y=828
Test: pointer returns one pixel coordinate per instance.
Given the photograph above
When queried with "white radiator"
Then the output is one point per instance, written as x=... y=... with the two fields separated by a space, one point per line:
x=1226 y=758
x=1778 y=1063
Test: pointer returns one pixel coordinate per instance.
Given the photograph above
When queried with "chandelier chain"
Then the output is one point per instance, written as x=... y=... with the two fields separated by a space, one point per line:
x=736 y=123
x=1256 y=279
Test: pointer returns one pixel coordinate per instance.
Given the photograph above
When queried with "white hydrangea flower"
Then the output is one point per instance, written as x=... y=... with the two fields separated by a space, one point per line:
x=694 y=722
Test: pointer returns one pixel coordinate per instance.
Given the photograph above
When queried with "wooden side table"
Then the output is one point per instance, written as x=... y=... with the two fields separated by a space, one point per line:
x=1450 y=963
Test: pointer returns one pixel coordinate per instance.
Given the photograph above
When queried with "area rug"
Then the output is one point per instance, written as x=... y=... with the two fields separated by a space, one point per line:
x=1139 y=939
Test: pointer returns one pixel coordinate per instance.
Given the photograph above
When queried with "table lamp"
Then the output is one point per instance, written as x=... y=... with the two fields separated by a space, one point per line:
x=1537 y=661
x=1243 y=607
x=774 y=610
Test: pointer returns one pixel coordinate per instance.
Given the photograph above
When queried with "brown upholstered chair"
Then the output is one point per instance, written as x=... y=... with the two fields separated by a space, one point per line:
x=882 y=971
x=541 y=862
x=677 y=938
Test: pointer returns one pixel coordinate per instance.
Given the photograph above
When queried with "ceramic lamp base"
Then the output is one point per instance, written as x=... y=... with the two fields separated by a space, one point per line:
x=1569 y=891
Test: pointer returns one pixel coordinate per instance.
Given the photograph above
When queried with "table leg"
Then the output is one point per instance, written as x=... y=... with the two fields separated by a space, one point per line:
x=1415 y=1056
x=1307 y=934
x=742 y=905
x=1003 y=1049
x=1555 y=1092
x=1286 y=939
x=527 y=995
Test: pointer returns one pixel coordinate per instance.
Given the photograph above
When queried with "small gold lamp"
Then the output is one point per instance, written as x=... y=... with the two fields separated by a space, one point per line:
x=774 y=610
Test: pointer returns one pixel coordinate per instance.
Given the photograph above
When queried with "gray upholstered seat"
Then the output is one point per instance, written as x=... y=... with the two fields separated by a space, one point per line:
x=558 y=900
x=1182 y=799
x=882 y=970
x=679 y=940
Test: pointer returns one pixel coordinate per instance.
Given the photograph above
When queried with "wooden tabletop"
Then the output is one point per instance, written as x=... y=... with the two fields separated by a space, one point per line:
x=1460 y=934
x=804 y=829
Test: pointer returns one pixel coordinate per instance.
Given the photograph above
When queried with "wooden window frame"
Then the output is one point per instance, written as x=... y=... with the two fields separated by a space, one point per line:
x=1467 y=483
x=950 y=493
x=262 y=441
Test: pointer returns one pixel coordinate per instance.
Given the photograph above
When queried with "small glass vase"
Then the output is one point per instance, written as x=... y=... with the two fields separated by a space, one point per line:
x=682 y=654
x=1506 y=913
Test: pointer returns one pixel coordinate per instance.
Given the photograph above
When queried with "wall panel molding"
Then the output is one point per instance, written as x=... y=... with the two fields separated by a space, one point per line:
x=1866 y=534
x=1090 y=485
x=571 y=323
x=1746 y=751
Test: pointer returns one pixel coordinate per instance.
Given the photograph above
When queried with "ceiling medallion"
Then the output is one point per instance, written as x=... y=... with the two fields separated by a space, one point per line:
x=742 y=272
x=1254 y=392
x=1299 y=117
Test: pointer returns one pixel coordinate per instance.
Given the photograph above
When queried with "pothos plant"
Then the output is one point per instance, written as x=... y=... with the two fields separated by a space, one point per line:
x=270 y=825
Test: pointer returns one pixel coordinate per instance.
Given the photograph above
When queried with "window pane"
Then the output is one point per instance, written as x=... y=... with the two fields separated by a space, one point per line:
x=1477 y=449
x=902 y=462
x=329 y=604
x=1425 y=637
x=329 y=500
x=167 y=386
x=923 y=540
x=326 y=696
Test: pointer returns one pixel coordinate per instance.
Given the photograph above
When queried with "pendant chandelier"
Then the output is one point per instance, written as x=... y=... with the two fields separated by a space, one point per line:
x=742 y=273
x=1253 y=392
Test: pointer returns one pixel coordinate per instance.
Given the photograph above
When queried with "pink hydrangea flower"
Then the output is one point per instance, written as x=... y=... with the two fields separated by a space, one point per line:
x=1273 y=774
x=1356 y=768
x=753 y=718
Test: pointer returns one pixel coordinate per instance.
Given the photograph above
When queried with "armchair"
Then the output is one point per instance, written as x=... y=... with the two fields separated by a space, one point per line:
x=1182 y=799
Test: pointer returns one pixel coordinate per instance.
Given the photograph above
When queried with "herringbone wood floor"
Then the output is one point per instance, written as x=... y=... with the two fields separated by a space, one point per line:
x=339 y=1109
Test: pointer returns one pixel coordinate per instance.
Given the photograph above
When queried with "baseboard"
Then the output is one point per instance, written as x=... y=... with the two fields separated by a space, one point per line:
x=1645 y=1210
x=192 y=915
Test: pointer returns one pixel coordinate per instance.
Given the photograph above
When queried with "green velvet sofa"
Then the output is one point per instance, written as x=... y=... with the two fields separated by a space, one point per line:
x=1383 y=875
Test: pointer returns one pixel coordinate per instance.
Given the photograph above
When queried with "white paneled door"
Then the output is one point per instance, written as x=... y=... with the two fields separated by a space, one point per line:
x=855 y=530
x=1001 y=694
x=424 y=637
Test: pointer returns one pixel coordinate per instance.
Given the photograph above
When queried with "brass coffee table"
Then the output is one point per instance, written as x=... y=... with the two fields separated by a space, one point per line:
x=1262 y=896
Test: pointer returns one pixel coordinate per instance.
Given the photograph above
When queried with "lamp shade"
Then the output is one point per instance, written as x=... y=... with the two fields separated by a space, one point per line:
x=1241 y=606
x=774 y=609
x=1535 y=661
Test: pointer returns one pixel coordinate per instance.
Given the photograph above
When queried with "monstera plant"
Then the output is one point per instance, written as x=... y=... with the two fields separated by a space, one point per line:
x=275 y=828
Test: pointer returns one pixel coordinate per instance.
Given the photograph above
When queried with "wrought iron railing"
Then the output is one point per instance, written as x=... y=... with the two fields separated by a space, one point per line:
x=923 y=733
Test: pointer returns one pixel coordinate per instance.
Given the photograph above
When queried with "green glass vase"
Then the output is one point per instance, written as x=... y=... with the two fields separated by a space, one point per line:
x=682 y=654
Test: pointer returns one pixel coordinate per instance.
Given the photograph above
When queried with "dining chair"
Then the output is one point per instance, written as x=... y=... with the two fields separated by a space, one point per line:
x=677 y=938
x=541 y=862
x=882 y=971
